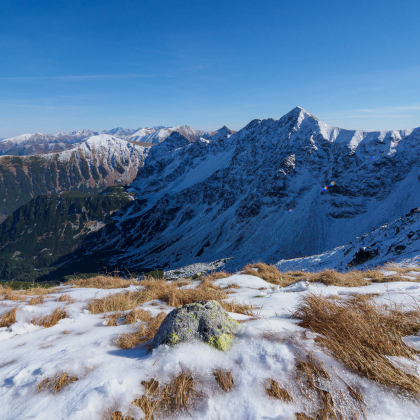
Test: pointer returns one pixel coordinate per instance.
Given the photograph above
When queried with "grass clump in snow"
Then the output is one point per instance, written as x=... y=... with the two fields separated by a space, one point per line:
x=144 y=332
x=66 y=298
x=8 y=318
x=8 y=293
x=137 y=314
x=57 y=382
x=116 y=415
x=273 y=389
x=38 y=300
x=160 y=401
x=238 y=307
x=361 y=334
x=102 y=282
x=271 y=274
x=224 y=379
x=51 y=319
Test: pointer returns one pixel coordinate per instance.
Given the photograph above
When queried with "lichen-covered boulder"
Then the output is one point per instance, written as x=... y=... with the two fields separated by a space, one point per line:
x=206 y=321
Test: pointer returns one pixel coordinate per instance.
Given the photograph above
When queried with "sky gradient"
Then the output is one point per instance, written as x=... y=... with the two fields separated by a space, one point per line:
x=71 y=65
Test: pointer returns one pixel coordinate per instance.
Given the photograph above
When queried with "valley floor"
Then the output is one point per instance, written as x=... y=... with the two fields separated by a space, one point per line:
x=268 y=347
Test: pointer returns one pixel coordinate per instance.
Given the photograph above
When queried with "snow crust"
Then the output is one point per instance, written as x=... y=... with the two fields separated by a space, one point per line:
x=110 y=377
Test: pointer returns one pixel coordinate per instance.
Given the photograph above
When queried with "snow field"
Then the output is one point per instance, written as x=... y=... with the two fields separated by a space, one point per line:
x=82 y=345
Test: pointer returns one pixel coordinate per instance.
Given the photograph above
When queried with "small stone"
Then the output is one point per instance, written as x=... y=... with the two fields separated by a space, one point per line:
x=205 y=321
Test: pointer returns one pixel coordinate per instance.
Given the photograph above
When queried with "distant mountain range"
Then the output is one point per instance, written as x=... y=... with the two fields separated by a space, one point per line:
x=274 y=191
x=38 y=143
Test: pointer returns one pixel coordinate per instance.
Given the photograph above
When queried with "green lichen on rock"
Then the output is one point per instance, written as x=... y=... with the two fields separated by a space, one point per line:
x=221 y=342
x=205 y=321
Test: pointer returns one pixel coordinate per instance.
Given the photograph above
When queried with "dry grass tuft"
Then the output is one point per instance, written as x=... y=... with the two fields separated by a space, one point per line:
x=237 y=307
x=361 y=334
x=215 y=275
x=8 y=318
x=116 y=415
x=39 y=300
x=303 y=416
x=271 y=274
x=138 y=314
x=102 y=282
x=165 y=400
x=112 y=319
x=224 y=379
x=57 y=382
x=144 y=332
x=66 y=298
x=273 y=389
x=49 y=320
x=353 y=278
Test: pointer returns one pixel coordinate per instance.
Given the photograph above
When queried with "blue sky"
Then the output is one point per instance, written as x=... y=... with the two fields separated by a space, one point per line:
x=68 y=65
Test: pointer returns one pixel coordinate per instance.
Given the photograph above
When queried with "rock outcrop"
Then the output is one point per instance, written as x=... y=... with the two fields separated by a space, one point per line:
x=205 y=321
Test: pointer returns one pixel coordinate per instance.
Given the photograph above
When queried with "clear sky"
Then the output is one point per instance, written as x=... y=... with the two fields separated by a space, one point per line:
x=97 y=64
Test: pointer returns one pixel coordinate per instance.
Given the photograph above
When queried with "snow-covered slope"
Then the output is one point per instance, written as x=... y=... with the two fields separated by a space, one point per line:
x=90 y=166
x=159 y=134
x=277 y=189
x=38 y=143
x=396 y=242
x=109 y=378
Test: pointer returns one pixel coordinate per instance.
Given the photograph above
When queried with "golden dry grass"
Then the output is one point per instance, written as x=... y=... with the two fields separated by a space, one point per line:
x=66 y=298
x=273 y=389
x=353 y=278
x=115 y=415
x=38 y=300
x=138 y=314
x=238 y=307
x=7 y=293
x=166 y=400
x=50 y=320
x=144 y=332
x=215 y=275
x=224 y=379
x=8 y=318
x=112 y=319
x=102 y=282
x=169 y=292
x=57 y=382
x=361 y=334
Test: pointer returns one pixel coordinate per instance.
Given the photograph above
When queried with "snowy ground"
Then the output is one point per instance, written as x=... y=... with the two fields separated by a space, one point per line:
x=82 y=345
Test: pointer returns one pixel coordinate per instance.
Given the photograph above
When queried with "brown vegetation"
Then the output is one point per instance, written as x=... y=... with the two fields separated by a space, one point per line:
x=237 y=307
x=38 y=300
x=164 y=400
x=361 y=334
x=144 y=332
x=7 y=293
x=51 y=319
x=137 y=314
x=116 y=415
x=66 y=298
x=102 y=282
x=224 y=379
x=57 y=382
x=8 y=318
x=273 y=389
x=169 y=292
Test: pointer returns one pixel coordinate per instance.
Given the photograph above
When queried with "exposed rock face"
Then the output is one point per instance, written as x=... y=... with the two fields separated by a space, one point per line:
x=206 y=321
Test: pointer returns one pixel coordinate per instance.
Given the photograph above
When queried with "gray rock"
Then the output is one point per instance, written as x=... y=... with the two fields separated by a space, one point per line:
x=206 y=321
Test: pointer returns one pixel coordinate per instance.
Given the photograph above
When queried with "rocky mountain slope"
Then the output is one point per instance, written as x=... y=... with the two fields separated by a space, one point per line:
x=277 y=189
x=40 y=235
x=38 y=143
x=90 y=167
x=395 y=242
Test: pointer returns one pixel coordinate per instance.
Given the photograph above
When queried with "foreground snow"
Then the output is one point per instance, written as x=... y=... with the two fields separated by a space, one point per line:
x=109 y=377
